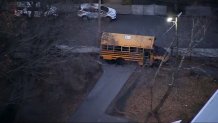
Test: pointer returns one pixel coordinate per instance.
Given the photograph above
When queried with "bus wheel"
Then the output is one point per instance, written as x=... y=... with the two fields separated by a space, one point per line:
x=110 y=61
x=120 y=61
x=157 y=63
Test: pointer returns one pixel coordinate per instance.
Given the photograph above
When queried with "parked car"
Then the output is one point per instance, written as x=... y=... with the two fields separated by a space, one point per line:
x=90 y=10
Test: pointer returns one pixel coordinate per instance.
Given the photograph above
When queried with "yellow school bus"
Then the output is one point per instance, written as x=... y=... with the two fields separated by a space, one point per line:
x=138 y=48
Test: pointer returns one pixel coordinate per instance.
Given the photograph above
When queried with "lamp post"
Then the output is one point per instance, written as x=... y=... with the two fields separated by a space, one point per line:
x=175 y=21
x=99 y=22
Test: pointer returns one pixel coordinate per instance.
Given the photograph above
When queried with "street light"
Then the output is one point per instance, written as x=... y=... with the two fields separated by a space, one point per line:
x=175 y=21
x=169 y=19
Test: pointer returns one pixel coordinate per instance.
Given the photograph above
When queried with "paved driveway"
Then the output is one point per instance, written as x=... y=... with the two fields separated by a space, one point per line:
x=94 y=107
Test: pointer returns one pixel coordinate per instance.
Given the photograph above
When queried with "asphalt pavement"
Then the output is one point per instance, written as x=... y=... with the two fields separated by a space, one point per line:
x=157 y=26
x=85 y=32
x=108 y=86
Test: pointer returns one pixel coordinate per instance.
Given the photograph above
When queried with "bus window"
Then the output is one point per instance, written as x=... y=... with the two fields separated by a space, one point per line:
x=140 y=50
x=146 y=53
x=133 y=49
x=125 y=49
x=104 y=47
x=110 y=47
x=117 y=48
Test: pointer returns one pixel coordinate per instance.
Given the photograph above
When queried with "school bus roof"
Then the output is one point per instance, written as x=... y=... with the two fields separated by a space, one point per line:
x=127 y=40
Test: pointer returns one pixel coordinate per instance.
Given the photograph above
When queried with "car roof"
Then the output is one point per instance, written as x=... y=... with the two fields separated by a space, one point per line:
x=89 y=5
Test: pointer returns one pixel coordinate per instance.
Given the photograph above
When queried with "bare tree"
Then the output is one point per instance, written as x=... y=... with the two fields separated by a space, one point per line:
x=198 y=32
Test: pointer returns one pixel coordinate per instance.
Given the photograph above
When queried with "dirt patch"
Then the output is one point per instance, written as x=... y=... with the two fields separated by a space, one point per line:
x=194 y=86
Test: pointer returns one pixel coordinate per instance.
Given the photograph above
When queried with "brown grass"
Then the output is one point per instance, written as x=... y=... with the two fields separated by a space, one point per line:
x=188 y=96
x=56 y=96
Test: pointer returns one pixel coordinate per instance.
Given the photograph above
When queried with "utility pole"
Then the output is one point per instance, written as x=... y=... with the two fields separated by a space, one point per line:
x=177 y=41
x=99 y=22
x=175 y=21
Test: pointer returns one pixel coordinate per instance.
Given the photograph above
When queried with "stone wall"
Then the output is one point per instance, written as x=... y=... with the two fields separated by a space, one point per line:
x=143 y=9
x=139 y=9
x=112 y=1
x=198 y=11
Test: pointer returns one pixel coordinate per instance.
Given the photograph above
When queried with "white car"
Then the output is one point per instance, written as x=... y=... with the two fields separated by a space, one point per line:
x=90 y=10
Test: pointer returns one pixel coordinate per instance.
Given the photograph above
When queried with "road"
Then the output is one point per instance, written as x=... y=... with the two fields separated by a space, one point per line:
x=108 y=86
x=157 y=26
x=79 y=32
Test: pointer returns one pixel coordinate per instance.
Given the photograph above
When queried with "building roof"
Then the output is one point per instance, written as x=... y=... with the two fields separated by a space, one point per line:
x=208 y=114
x=127 y=40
